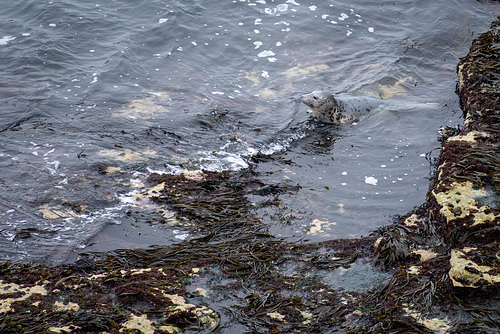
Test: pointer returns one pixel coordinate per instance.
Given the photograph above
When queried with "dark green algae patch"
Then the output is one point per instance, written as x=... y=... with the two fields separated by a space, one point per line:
x=441 y=261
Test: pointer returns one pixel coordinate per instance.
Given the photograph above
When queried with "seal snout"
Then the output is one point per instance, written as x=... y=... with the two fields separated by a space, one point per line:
x=302 y=99
x=308 y=99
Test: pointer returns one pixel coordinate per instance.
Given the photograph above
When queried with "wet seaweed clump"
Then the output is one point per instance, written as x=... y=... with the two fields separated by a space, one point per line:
x=213 y=197
x=43 y=299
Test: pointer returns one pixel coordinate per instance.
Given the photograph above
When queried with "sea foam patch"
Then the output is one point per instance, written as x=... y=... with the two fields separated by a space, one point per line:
x=6 y=39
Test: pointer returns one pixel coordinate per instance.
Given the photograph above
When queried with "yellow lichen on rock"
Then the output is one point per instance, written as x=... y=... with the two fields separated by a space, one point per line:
x=307 y=316
x=141 y=323
x=10 y=288
x=377 y=242
x=441 y=169
x=413 y=270
x=459 y=202
x=206 y=316
x=137 y=271
x=59 y=306
x=465 y=273
x=170 y=329
x=413 y=220
x=436 y=325
x=425 y=254
x=277 y=316
x=470 y=137
x=64 y=329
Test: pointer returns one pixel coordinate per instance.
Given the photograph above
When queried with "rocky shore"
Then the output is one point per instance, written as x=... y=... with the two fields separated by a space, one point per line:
x=439 y=266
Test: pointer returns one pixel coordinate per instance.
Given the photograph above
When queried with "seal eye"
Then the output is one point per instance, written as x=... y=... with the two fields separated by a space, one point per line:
x=315 y=97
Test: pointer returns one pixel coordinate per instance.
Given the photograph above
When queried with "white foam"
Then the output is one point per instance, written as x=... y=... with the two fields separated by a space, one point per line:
x=371 y=180
x=343 y=16
x=282 y=8
x=182 y=236
x=6 y=39
x=51 y=151
x=128 y=198
x=221 y=160
x=266 y=53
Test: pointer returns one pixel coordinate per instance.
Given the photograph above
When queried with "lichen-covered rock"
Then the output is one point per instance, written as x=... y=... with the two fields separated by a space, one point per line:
x=474 y=267
x=463 y=200
x=465 y=194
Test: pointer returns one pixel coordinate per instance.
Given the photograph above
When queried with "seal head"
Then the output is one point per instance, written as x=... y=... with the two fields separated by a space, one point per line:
x=325 y=108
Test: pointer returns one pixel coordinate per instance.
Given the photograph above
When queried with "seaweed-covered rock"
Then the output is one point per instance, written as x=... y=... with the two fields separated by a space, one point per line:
x=465 y=193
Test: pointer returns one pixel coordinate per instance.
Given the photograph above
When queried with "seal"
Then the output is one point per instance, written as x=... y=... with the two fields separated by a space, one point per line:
x=325 y=108
x=346 y=109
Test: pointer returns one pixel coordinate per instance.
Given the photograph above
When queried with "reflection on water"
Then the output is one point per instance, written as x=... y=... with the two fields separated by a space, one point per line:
x=187 y=85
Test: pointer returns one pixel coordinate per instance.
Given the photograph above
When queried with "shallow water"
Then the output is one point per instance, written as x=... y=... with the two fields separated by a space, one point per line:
x=195 y=84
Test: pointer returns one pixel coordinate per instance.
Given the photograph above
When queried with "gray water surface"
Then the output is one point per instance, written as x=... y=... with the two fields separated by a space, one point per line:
x=189 y=85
